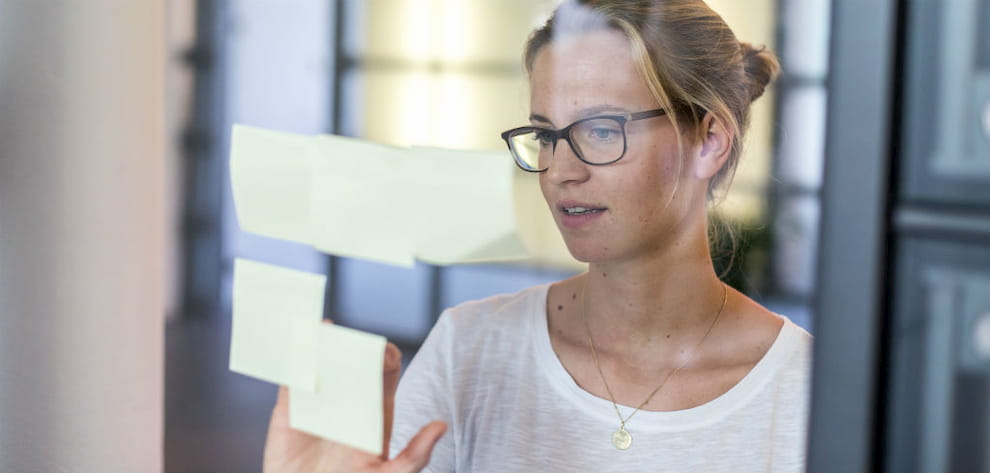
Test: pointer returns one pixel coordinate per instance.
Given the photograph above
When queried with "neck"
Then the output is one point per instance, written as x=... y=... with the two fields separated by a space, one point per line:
x=668 y=297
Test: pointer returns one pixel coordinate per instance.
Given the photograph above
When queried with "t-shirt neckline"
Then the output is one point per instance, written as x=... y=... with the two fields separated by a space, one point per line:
x=695 y=417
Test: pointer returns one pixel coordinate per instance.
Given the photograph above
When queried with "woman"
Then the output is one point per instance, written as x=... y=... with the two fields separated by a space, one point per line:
x=647 y=361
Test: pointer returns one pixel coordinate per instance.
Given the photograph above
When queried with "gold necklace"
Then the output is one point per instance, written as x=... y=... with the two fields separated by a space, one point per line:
x=621 y=438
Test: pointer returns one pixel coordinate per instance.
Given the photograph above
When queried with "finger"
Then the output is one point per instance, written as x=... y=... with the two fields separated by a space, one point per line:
x=276 y=441
x=417 y=454
x=393 y=365
x=280 y=412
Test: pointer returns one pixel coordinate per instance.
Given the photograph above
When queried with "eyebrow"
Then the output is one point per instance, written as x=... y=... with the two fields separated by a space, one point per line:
x=583 y=113
x=535 y=117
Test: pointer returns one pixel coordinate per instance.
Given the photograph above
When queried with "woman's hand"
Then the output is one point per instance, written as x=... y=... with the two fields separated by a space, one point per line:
x=289 y=450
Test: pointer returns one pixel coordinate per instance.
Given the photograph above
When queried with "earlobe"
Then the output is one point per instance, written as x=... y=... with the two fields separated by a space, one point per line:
x=714 y=148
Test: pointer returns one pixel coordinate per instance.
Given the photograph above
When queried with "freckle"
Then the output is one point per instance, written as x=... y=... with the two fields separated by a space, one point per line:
x=668 y=335
x=560 y=307
x=574 y=296
x=604 y=275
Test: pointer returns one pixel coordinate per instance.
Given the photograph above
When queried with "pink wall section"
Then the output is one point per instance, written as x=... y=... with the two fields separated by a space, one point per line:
x=81 y=235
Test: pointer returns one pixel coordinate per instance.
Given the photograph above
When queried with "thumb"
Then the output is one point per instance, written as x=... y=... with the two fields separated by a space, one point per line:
x=390 y=383
x=417 y=454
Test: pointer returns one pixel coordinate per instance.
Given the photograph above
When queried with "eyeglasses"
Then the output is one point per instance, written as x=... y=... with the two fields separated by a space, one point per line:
x=597 y=140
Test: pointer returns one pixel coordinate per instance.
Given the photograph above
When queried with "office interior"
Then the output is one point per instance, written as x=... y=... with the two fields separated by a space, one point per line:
x=862 y=205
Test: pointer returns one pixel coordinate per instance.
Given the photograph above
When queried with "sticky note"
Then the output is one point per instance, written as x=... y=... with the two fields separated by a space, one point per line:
x=347 y=405
x=362 y=201
x=357 y=199
x=270 y=175
x=469 y=195
x=537 y=228
x=275 y=314
x=334 y=374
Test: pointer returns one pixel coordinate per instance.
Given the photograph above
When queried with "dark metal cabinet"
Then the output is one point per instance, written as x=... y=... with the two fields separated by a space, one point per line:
x=946 y=103
x=938 y=399
x=902 y=359
x=938 y=394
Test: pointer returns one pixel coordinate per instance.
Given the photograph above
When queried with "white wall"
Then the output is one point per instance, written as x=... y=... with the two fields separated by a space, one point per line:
x=81 y=232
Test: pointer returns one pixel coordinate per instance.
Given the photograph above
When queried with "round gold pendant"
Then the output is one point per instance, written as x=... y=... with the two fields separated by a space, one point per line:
x=621 y=439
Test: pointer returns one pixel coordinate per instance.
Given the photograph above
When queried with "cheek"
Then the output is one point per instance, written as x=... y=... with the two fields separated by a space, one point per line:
x=655 y=189
x=543 y=185
x=670 y=165
x=643 y=192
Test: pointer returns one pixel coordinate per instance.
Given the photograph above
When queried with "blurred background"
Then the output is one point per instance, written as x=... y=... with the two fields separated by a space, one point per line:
x=118 y=232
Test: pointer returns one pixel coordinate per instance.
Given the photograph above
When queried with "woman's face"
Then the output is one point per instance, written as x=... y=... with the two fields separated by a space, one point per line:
x=639 y=203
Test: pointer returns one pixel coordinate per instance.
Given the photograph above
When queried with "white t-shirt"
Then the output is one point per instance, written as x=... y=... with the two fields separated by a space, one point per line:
x=488 y=369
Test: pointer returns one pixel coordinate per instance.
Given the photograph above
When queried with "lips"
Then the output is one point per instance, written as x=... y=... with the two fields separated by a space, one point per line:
x=581 y=210
x=575 y=214
x=570 y=207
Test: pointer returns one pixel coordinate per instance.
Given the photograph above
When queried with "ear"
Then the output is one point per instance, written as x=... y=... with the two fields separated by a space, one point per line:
x=714 y=149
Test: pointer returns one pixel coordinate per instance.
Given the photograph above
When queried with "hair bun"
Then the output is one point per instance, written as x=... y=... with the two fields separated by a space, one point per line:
x=761 y=68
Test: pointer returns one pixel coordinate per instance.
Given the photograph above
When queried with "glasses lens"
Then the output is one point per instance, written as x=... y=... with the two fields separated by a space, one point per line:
x=599 y=140
x=526 y=148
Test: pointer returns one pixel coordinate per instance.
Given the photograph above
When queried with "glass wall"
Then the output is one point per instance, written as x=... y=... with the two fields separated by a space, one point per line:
x=444 y=73
x=449 y=73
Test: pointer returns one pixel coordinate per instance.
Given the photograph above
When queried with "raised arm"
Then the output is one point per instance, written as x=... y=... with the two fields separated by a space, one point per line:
x=289 y=450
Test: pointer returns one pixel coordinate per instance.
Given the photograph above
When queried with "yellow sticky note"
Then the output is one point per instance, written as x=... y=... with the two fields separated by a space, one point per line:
x=468 y=215
x=357 y=199
x=270 y=176
x=276 y=312
x=347 y=406
x=361 y=201
x=537 y=228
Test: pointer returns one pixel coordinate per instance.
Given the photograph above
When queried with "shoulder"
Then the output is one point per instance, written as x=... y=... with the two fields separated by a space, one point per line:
x=471 y=339
x=475 y=331
x=791 y=389
x=789 y=366
x=800 y=344
x=770 y=348
x=749 y=332
x=502 y=311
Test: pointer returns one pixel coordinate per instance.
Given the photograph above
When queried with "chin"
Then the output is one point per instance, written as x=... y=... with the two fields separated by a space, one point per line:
x=599 y=252
x=589 y=253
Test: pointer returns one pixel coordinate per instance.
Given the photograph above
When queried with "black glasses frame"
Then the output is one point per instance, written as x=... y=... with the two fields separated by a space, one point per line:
x=565 y=134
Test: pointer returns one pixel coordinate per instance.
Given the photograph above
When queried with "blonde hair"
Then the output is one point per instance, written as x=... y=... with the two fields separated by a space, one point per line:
x=690 y=59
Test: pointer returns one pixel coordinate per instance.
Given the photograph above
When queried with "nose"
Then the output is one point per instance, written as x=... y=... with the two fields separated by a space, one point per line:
x=564 y=165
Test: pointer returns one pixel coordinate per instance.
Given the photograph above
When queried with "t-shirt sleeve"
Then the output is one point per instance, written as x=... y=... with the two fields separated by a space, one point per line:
x=425 y=394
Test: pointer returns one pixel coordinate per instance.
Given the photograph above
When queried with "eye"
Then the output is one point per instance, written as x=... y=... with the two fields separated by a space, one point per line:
x=545 y=137
x=603 y=133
